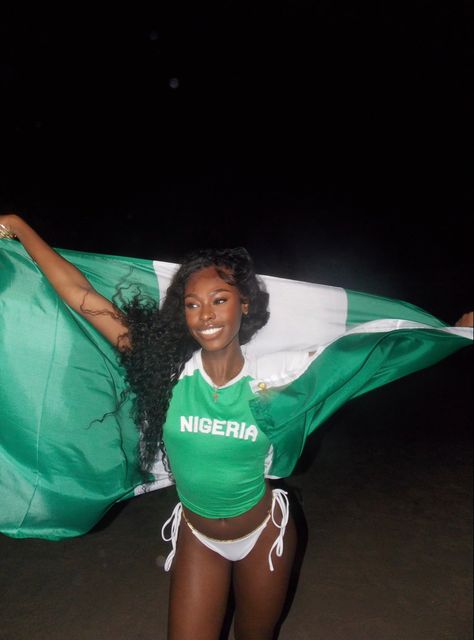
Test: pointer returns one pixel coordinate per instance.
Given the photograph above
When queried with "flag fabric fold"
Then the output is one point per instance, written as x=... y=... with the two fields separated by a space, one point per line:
x=68 y=446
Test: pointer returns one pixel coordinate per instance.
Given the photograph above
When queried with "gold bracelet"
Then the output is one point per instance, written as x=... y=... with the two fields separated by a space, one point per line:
x=5 y=232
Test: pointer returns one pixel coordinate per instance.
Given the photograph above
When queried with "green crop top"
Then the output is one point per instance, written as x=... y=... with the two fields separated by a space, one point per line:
x=216 y=451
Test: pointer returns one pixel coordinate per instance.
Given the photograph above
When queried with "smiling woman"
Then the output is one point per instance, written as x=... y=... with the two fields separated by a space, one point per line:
x=221 y=417
x=214 y=308
x=232 y=517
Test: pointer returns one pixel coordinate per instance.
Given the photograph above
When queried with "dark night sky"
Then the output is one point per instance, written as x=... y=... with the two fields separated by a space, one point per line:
x=325 y=136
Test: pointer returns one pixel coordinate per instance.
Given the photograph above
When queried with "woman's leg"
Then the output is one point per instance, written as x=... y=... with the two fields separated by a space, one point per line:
x=199 y=590
x=260 y=593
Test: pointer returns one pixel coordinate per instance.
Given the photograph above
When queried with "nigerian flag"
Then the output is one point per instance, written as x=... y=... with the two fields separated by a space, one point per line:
x=67 y=454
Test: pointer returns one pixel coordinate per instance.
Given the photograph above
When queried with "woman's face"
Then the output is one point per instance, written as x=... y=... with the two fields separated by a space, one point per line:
x=213 y=310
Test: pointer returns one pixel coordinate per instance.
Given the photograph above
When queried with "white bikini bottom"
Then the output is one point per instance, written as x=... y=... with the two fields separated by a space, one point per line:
x=238 y=548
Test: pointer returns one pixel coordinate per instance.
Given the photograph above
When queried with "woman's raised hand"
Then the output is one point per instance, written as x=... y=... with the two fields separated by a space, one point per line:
x=466 y=320
x=7 y=224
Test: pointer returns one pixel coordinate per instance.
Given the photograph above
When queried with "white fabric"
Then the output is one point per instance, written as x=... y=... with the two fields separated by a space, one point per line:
x=273 y=369
x=232 y=550
x=175 y=521
x=162 y=477
x=281 y=497
x=325 y=305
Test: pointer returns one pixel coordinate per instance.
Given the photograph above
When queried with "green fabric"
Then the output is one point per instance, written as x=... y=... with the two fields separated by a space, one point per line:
x=61 y=469
x=364 y=307
x=349 y=367
x=217 y=452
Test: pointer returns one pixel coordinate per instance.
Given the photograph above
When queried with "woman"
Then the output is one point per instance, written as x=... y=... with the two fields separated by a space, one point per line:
x=223 y=306
x=229 y=525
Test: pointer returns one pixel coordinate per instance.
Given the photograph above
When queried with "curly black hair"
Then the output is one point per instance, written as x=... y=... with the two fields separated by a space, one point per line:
x=161 y=343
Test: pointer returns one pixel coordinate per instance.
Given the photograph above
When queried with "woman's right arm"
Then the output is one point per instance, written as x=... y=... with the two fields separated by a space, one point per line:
x=70 y=283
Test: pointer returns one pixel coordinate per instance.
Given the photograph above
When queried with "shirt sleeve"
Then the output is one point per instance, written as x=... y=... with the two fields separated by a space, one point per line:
x=278 y=369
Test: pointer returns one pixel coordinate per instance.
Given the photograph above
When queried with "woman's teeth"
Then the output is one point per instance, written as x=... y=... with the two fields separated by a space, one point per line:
x=210 y=332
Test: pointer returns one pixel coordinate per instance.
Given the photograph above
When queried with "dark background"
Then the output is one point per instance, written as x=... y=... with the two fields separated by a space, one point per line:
x=332 y=139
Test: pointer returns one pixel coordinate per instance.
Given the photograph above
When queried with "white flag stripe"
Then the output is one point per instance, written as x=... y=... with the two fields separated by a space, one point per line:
x=292 y=304
x=389 y=324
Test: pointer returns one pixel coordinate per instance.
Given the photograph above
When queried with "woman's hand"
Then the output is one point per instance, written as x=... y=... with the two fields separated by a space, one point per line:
x=466 y=320
x=7 y=225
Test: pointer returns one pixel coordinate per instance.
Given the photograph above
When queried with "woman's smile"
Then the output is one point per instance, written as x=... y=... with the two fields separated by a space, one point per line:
x=213 y=309
x=210 y=332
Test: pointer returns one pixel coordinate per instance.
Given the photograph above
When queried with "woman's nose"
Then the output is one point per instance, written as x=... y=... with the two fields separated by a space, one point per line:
x=207 y=312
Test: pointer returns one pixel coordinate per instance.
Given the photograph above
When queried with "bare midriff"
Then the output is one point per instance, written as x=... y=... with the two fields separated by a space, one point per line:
x=236 y=527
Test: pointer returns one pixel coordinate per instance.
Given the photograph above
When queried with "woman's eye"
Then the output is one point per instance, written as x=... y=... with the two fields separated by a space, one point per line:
x=220 y=300
x=190 y=305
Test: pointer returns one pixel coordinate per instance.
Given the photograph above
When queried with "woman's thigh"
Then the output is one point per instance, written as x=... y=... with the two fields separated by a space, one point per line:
x=199 y=590
x=260 y=593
